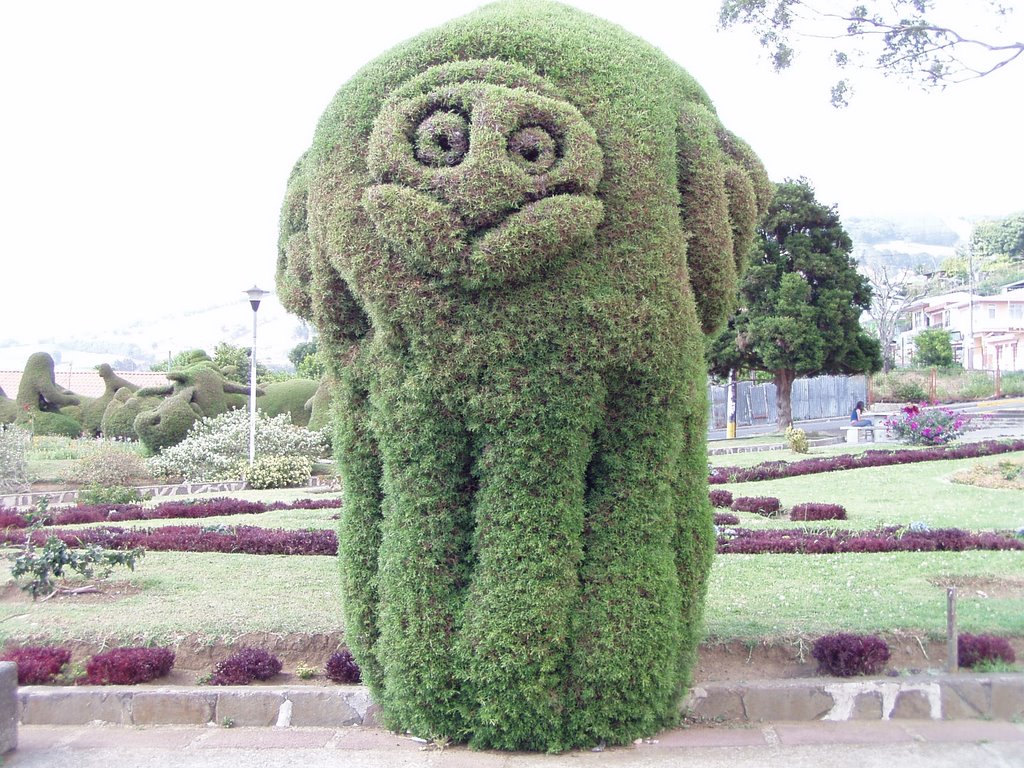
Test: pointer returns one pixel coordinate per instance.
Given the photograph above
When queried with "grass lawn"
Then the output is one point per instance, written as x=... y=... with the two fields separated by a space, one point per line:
x=751 y=597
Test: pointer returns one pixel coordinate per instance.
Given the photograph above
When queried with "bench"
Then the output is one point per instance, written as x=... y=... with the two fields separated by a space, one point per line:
x=860 y=434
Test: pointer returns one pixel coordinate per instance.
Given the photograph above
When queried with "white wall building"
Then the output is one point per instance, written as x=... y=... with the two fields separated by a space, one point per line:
x=987 y=331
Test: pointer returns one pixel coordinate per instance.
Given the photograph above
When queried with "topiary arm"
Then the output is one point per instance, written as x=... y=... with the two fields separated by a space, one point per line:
x=156 y=391
x=724 y=190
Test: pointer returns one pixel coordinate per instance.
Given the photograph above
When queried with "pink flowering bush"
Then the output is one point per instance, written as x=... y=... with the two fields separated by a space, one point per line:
x=924 y=425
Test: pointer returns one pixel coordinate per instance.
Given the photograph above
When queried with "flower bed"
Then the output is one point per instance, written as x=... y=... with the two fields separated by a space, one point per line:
x=116 y=513
x=774 y=470
x=265 y=541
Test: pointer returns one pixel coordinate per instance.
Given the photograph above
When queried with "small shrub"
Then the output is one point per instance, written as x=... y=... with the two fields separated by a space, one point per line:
x=244 y=666
x=108 y=463
x=215 y=445
x=797 y=440
x=759 y=505
x=846 y=655
x=725 y=518
x=277 y=472
x=812 y=511
x=44 y=566
x=305 y=672
x=14 y=446
x=342 y=668
x=107 y=494
x=921 y=425
x=720 y=497
x=37 y=665
x=128 y=666
x=908 y=391
x=974 y=650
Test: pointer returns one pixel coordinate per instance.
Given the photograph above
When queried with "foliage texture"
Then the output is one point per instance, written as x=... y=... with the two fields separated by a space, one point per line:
x=510 y=233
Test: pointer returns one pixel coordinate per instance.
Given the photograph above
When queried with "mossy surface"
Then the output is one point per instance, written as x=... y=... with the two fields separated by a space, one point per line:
x=512 y=233
x=291 y=397
x=93 y=408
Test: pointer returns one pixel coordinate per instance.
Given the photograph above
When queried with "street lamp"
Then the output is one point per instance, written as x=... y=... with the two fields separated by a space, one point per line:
x=254 y=294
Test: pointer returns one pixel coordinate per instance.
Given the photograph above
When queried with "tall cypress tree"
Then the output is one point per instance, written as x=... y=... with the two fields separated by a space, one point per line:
x=800 y=300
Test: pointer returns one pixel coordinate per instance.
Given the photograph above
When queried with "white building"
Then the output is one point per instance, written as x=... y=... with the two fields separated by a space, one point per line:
x=987 y=331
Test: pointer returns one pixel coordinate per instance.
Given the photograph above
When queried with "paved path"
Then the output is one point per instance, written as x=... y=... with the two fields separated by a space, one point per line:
x=891 y=744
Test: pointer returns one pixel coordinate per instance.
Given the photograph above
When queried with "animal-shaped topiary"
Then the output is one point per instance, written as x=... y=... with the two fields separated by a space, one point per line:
x=40 y=399
x=195 y=391
x=291 y=397
x=93 y=408
x=510 y=232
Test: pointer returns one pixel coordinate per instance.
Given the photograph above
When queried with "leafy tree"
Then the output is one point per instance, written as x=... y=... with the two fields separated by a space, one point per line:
x=933 y=349
x=301 y=351
x=1000 y=238
x=307 y=361
x=917 y=40
x=800 y=301
x=891 y=294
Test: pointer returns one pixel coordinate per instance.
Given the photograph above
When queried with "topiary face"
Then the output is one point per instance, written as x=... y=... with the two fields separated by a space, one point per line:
x=481 y=179
x=511 y=233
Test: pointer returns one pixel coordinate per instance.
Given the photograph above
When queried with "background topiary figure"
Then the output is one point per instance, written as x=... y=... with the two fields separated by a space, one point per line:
x=291 y=397
x=40 y=399
x=119 y=415
x=93 y=408
x=8 y=408
x=510 y=233
x=195 y=391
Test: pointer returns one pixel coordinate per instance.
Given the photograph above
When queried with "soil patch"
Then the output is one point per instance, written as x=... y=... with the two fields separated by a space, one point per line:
x=104 y=591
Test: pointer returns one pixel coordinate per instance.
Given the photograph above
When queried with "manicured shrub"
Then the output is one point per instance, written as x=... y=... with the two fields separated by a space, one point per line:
x=536 y=368
x=724 y=518
x=812 y=511
x=290 y=398
x=37 y=665
x=846 y=655
x=217 y=448
x=128 y=666
x=244 y=666
x=973 y=650
x=759 y=505
x=342 y=668
x=277 y=472
x=720 y=497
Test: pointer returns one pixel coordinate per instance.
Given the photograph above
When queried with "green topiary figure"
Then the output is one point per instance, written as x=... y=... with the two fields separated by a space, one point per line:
x=8 y=408
x=510 y=232
x=118 y=420
x=93 y=409
x=197 y=390
x=40 y=399
x=291 y=397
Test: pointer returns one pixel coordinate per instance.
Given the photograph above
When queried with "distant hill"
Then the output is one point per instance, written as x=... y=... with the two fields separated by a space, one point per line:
x=907 y=242
x=149 y=340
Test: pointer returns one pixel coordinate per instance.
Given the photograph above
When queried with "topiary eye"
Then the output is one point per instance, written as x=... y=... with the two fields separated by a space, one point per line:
x=533 y=149
x=442 y=139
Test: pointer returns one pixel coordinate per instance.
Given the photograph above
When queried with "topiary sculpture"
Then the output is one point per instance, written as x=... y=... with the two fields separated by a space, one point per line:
x=291 y=397
x=510 y=232
x=94 y=408
x=197 y=390
x=40 y=400
x=118 y=420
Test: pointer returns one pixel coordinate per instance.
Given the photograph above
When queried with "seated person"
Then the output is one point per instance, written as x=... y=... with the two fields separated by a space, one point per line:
x=856 y=416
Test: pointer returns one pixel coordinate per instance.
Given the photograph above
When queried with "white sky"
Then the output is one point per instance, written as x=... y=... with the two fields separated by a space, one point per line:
x=144 y=146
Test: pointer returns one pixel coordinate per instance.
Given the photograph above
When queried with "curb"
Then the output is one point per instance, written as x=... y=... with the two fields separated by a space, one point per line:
x=924 y=697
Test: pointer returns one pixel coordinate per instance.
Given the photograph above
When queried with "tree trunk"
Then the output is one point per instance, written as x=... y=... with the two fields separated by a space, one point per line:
x=783 y=397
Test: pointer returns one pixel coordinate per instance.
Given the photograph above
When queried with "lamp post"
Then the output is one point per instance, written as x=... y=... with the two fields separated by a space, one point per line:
x=254 y=294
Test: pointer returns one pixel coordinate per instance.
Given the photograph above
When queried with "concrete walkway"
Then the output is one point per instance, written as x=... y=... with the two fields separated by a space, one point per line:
x=906 y=744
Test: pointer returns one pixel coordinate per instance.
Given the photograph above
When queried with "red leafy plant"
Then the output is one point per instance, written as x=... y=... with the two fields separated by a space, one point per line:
x=244 y=666
x=973 y=650
x=128 y=666
x=37 y=665
x=845 y=655
x=720 y=497
x=760 y=505
x=342 y=668
x=814 y=511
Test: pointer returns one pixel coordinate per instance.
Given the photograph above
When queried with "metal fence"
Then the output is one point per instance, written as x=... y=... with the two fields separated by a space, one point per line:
x=823 y=397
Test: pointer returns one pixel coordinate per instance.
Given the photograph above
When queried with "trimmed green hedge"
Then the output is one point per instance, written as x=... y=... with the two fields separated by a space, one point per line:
x=510 y=233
